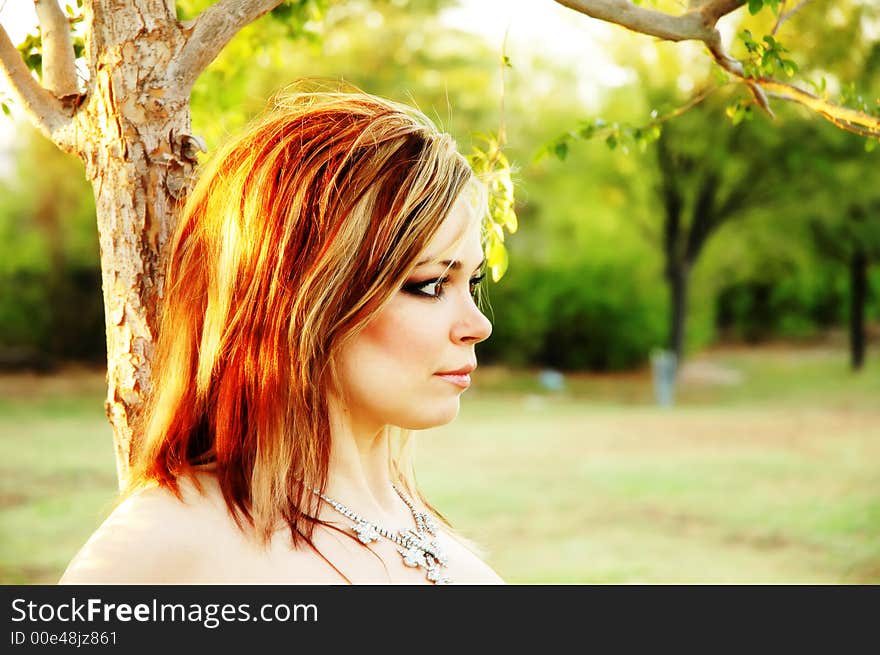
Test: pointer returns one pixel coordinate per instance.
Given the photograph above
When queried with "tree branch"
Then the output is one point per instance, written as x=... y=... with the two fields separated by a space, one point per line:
x=690 y=25
x=715 y=9
x=59 y=70
x=785 y=15
x=844 y=117
x=210 y=32
x=698 y=24
x=705 y=219
x=43 y=109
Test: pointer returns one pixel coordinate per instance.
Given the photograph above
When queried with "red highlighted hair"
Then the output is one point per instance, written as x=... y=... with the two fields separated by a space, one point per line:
x=297 y=232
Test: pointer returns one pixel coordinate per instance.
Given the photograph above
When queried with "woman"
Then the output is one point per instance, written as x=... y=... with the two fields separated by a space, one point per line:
x=319 y=303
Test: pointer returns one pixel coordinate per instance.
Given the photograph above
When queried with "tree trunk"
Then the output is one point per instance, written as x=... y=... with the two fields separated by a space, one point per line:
x=131 y=128
x=135 y=145
x=858 y=291
x=677 y=274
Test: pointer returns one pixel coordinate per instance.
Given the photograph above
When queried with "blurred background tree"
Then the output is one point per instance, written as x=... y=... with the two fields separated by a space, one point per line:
x=772 y=176
x=628 y=493
x=602 y=271
x=50 y=276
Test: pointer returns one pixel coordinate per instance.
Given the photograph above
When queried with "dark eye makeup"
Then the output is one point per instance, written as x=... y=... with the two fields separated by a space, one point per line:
x=434 y=288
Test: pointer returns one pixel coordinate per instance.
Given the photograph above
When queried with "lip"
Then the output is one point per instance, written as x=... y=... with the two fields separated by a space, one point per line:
x=460 y=377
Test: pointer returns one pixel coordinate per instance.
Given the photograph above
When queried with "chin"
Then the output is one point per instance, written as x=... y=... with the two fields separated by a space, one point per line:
x=442 y=414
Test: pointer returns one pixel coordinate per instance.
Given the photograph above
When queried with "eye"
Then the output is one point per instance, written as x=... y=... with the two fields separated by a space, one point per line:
x=475 y=283
x=428 y=288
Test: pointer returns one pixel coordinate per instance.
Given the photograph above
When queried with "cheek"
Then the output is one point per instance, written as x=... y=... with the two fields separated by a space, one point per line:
x=399 y=336
x=388 y=370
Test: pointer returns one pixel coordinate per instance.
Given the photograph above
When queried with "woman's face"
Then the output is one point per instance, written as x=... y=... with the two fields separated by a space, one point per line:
x=392 y=372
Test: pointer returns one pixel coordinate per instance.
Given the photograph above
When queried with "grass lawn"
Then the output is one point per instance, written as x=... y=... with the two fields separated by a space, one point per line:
x=766 y=471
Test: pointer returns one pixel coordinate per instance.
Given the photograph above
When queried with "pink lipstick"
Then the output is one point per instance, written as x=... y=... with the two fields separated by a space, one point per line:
x=460 y=377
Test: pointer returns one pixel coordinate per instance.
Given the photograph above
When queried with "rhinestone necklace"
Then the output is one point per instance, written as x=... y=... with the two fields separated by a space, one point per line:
x=417 y=547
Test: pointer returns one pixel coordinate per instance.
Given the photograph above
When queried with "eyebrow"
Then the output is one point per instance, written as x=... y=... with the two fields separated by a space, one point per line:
x=453 y=264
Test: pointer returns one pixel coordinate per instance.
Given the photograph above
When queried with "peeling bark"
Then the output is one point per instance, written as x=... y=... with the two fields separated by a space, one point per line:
x=131 y=128
x=59 y=71
x=133 y=157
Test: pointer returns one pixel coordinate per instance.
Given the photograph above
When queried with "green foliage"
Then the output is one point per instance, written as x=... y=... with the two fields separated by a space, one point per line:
x=301 y=18
x=830 y=39
x=783 y=306
x=51 y=316
x=492 y=167
x=741 y=110
x=585 y=281
x=50 y=283
x=614 y=134
x=850 y=96
x=584 y=315
x=24 y=314
x=31 y=48
x=766 y=58
x=757 y=5
x=31 y=52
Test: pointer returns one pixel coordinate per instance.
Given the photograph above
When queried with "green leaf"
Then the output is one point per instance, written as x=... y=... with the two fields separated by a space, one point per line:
x=510 y=220
x=497 y=260
x=586 y=131
x=492 y=166
x=497 y=230
x=611 y=141
x=6 y=109
x=870 y=144
x=755 y=6
x=819 y=88
x=561 y=150
x=35 y=62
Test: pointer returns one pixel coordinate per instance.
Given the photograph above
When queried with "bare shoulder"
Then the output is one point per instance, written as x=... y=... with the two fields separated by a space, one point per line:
x=469 y=566
x=152 y=537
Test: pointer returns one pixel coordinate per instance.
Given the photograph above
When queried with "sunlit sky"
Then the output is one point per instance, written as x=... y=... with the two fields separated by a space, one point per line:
x=531 y=25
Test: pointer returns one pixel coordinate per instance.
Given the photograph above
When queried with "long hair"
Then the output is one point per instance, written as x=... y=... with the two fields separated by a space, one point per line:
x=297 y=233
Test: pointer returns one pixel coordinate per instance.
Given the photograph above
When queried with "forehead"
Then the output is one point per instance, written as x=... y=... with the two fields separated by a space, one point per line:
x=458 y=235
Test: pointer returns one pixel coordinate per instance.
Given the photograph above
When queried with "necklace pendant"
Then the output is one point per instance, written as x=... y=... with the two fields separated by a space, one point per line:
x=412 y=557
x=415 y=546
x=436 y=576
x=432 y=550
x=366 y=532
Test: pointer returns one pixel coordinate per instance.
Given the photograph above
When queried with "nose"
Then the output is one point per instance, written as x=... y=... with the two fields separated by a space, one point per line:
x=472 y=325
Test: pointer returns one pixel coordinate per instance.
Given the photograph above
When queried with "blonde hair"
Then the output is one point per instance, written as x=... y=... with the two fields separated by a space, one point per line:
x=296 y=234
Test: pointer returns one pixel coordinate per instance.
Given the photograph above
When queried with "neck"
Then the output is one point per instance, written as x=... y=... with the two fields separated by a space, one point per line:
x=358 y=475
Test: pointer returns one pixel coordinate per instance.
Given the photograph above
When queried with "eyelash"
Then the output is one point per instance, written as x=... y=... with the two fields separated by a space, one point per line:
x=415 y=288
